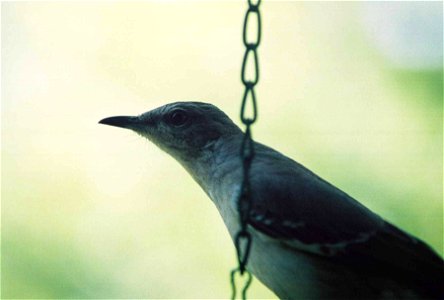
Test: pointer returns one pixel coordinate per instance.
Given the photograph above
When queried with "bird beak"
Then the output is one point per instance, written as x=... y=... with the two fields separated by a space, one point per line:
x=122 y=121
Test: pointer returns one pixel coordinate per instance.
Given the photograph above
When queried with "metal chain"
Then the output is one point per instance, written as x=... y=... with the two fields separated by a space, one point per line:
x=243 y=238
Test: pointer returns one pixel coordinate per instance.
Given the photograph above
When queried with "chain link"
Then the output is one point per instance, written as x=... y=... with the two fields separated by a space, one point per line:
x=243 y=239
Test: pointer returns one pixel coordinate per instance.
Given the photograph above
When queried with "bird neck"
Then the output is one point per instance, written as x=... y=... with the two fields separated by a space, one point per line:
x=217 y=166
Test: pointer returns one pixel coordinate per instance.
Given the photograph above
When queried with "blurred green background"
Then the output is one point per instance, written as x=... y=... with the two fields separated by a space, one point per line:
x=352 y=90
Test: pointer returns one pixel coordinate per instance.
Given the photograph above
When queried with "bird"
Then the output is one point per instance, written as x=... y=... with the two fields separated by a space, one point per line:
x=310 y=240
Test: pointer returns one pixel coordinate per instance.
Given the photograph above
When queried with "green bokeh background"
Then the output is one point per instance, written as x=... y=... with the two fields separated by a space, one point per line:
x=90 y=211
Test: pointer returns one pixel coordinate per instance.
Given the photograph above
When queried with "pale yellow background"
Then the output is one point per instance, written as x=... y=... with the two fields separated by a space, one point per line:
x=90 y=211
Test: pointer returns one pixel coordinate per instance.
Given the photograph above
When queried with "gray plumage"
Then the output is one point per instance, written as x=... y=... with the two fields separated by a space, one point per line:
x=310 y=239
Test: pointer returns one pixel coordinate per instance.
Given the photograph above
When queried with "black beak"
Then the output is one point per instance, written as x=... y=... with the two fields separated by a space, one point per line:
x=122 y=121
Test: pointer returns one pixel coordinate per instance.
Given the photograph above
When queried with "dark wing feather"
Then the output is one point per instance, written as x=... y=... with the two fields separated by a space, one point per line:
x=294 y=205
x=401 y=256
x=289 y=201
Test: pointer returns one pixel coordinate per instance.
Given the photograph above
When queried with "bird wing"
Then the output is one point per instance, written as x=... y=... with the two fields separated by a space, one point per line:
x=292 y=203
x=306 y=213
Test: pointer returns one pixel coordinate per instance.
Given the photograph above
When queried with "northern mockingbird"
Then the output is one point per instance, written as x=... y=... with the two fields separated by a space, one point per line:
x=310 y=239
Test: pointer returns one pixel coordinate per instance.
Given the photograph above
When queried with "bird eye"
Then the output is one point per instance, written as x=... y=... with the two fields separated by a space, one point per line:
x=178 y=118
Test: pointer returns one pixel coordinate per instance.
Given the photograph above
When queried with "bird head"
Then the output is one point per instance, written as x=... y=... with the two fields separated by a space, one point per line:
x=182 y=129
